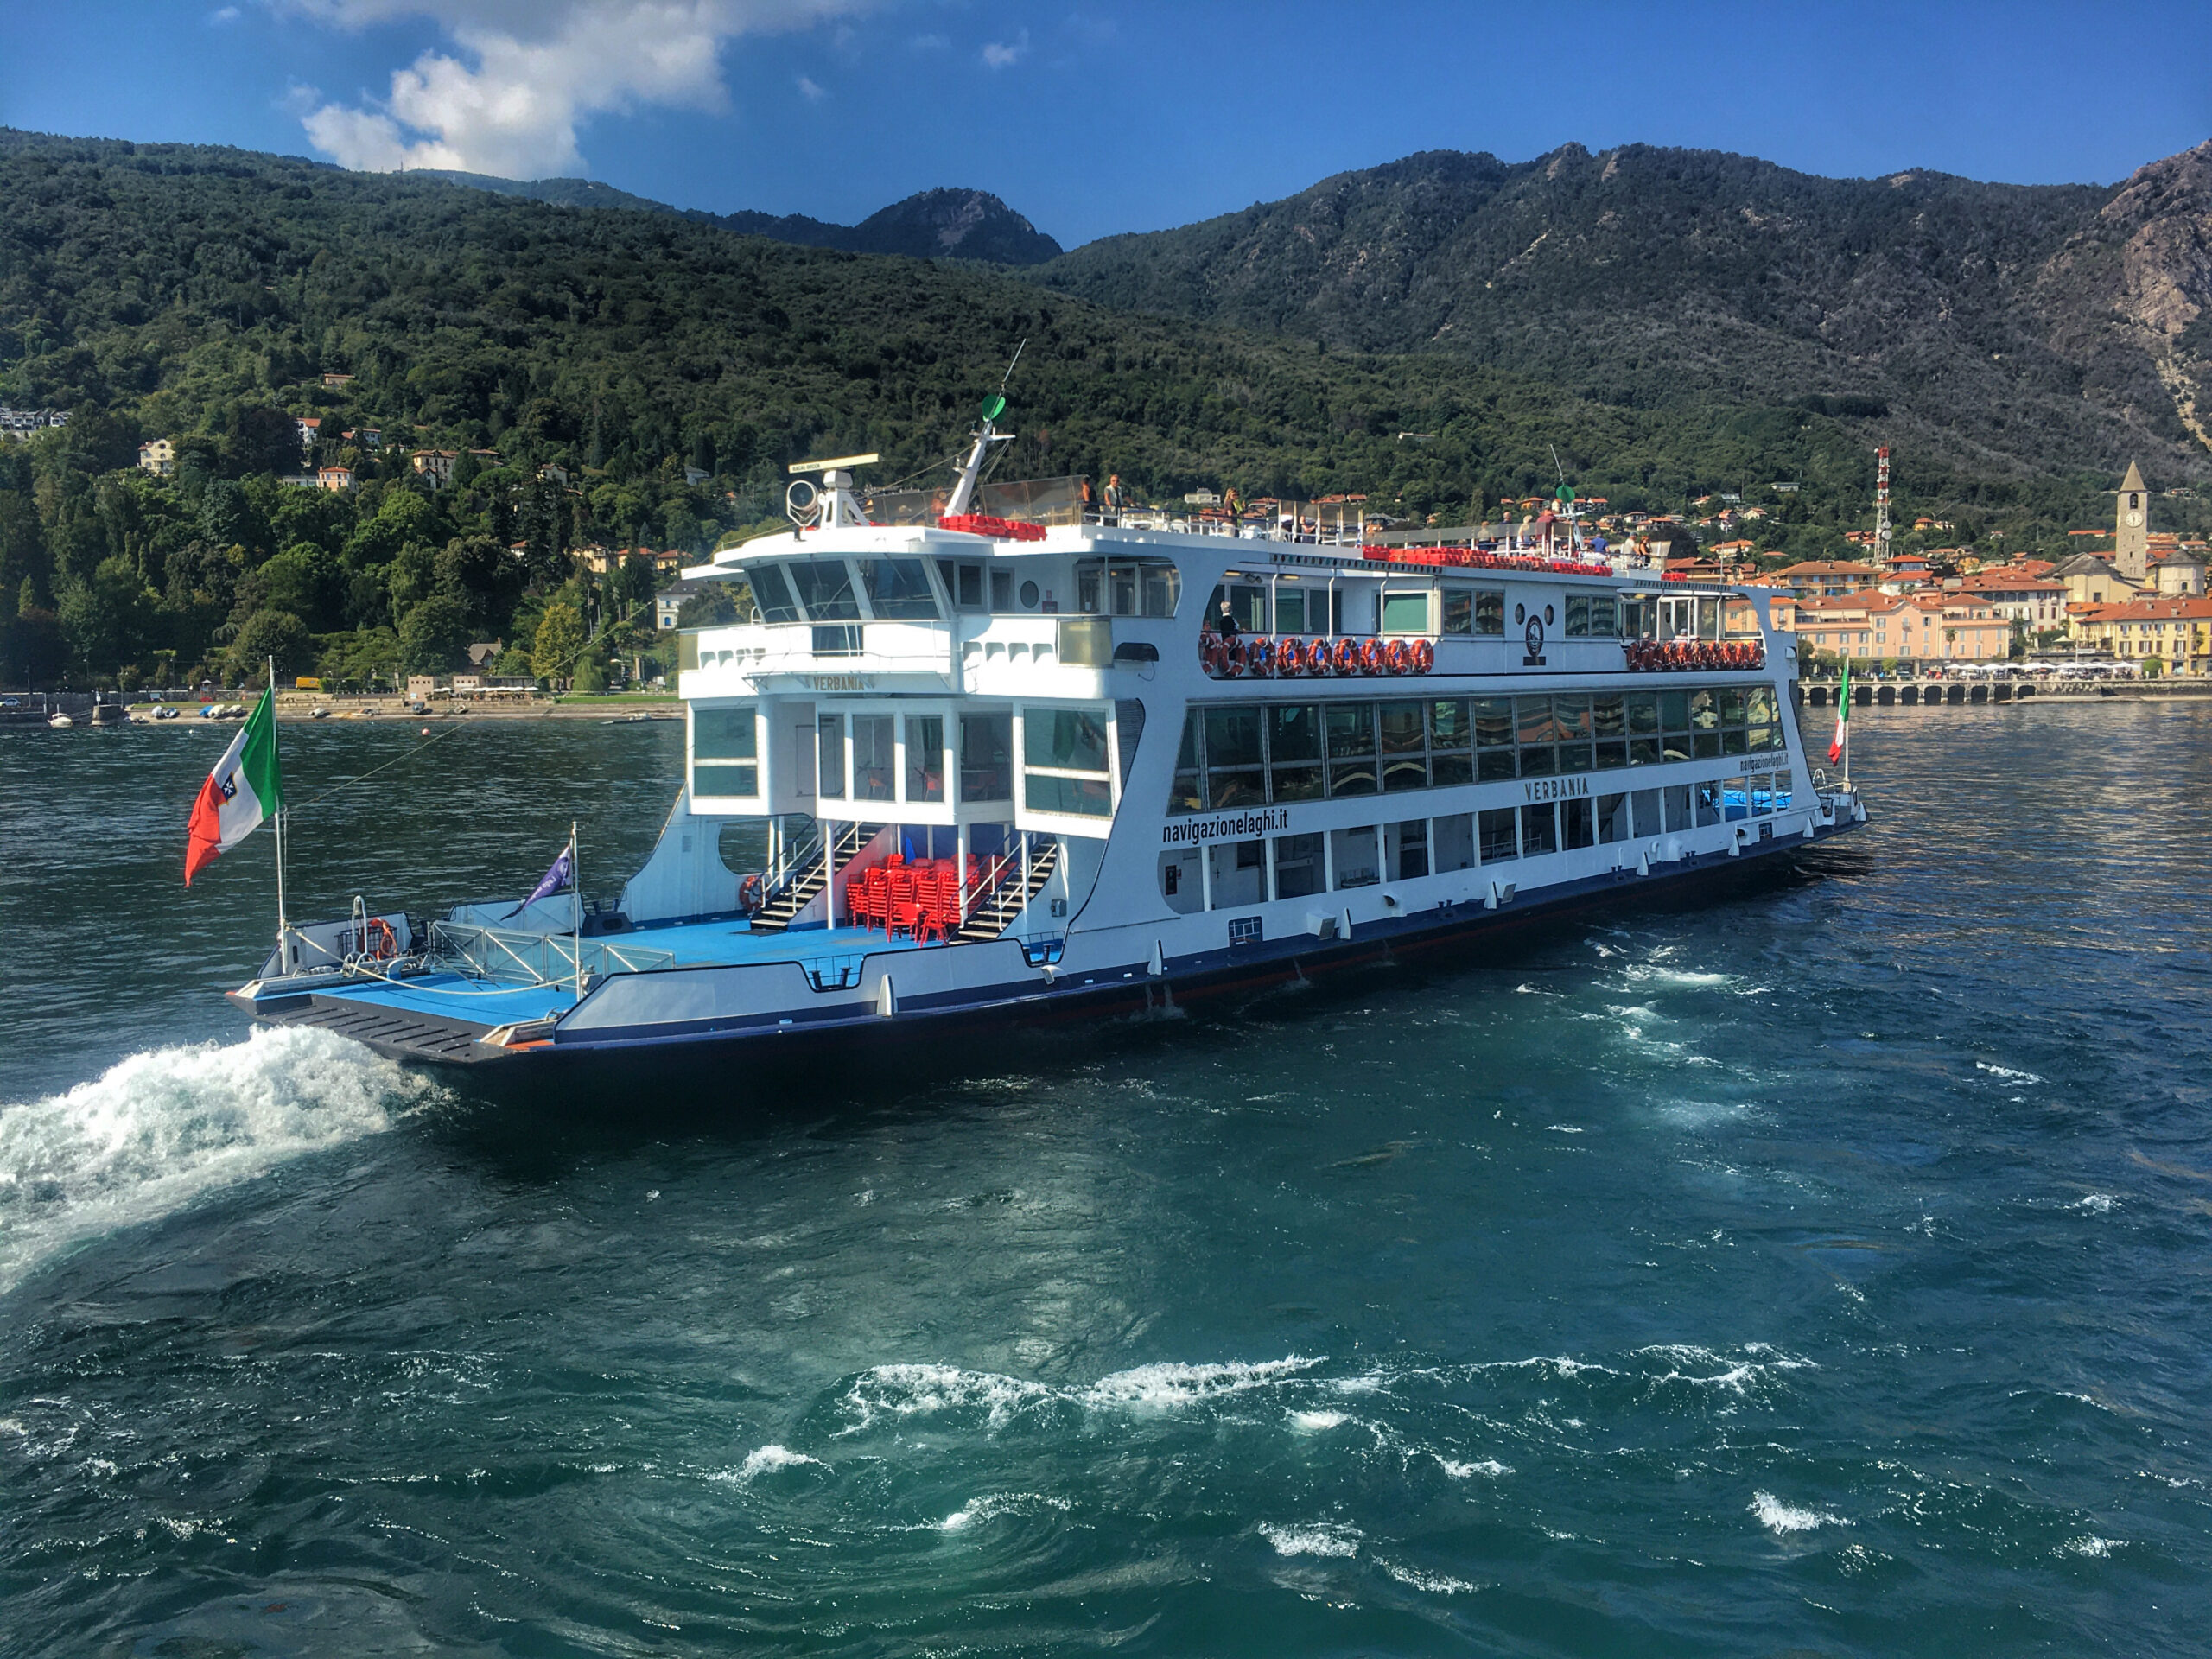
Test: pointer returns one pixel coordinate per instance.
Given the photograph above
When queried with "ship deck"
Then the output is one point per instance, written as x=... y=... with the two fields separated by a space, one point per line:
x=721 y=944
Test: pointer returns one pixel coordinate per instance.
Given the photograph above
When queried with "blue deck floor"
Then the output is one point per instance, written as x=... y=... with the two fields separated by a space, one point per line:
x=719 y=944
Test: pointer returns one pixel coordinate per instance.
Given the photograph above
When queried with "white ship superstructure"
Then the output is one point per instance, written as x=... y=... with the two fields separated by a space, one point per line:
x=976 y=769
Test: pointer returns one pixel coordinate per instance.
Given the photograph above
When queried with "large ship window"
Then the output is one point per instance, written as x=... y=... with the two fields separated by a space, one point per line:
x=1609 y=726
x=1139 y=588
x=1405 y=849
x=1591 y=616
x=771 y=593
x=1538 y=737
x=987 y=757
x=1292 y=606
x=1352 y=857
x=1351 y=749
x=1294 y=751
x=1450 y=743
x=1451 y=842
x=925 y=757
x=1247 y=603
x=725 y=751
x=1234 y=769
x=898 y=590
x=825 y=588
x=1405 y=612
x=1493 y=738
x=1539 y=829
x=1571 y=717
x=1063 y=762
x=1404 y=758
x=1500 y=833
x=1612 y=818
x=874 y=763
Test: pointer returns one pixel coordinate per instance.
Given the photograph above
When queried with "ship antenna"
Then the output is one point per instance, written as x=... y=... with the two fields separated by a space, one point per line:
x=971 y=472
x=1567 y=499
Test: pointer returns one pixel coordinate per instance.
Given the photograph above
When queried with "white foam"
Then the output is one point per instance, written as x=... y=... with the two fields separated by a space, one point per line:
x=1435 y=1583
x=1327 y=1538
x=161 y=1128
x=1782 y=1519
x=994 y=1504
x=2094 y=1546
x=1173 y=1383
x=2006 y=1072
x=1561 y=1128
x=765 y=1459
x=2097 y=1204
x=1313 y=1421
x=920 y=1390
x=1459 y=1471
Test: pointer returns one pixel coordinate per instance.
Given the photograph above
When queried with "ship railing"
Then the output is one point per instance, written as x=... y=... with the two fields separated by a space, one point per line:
x=507 y=957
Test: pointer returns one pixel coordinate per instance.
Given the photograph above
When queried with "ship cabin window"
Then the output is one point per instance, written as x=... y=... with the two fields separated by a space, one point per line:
x=1592 y=616
x=1500 y=833
x=1473 y=610
x=1247 y=603
x=1063 y=762
x=1138 y=587
x=1299 y=867
x=898 y=590
x=1577 y=824
x=964 y=584
x=1451 y=842
x=1405 y=849
x=1709 y=803
x=830 y=756
x=1299 y=610
x=771 y=593
x=987 y=757
x=1644 y=805
x=1001 y=592
x=1612 y=818
x=1238 y=872
x=1350 y=728
x=1404 y=612
x=1539 y=829
x=925 y=758
x=1234 y=775
x=825 y=588
x=1677 y=798
x=1353 y=857
x=725 y=750
x=874 y=763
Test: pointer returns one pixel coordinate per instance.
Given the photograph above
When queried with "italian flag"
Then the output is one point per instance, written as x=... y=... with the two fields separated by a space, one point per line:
x=246 y=787
x=1843 y=714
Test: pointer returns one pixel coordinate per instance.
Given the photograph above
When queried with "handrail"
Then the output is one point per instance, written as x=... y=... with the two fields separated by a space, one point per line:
x=503 y=955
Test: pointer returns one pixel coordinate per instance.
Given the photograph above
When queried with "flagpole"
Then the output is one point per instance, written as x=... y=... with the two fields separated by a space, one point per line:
x=576 y=909
x=282 y=964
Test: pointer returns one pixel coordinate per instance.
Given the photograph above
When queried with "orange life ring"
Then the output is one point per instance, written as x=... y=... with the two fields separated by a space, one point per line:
x=1240 y=656
x=1424 y=656
x=748 y=894
x=1396 y=660
x=378 y=942
x=1317 y=658
x=1370 y=657
x=1216 y=656
x=1345 y=658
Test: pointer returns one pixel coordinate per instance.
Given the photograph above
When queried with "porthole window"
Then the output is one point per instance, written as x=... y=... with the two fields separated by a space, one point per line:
x=1548 y=616
x=1520 y=614
x=1028 y=595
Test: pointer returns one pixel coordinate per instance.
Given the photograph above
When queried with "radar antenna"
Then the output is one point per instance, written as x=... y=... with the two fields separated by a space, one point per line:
x=971 y=472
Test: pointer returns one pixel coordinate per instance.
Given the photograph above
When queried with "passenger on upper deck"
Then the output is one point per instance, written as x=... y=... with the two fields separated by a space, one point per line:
x=1117 y=499
x=1225 y=626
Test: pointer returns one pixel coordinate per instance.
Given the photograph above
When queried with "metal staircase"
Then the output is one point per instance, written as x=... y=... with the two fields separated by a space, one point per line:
x=808 y=875
x=995 y=911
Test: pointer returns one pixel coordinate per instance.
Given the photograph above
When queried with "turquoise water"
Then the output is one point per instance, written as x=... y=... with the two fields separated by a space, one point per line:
x=1821 y=1272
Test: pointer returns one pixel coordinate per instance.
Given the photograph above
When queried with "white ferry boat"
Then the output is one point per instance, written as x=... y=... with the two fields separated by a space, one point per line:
x=976 y=770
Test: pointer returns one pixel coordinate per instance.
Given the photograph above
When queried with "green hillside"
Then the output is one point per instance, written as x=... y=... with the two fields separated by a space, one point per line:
x=203 y=294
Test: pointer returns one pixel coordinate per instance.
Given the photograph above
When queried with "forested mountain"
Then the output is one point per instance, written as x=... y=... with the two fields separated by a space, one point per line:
x=929 y=225
x=669 y=368
x=2003 y=326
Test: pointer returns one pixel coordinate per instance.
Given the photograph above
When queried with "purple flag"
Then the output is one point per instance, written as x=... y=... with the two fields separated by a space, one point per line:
x=559 y=879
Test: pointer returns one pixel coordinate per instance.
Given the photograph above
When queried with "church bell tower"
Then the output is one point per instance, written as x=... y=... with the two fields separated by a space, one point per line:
x=2131 y=544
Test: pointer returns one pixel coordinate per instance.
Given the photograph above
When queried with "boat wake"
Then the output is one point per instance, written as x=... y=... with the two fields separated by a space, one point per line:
x=159 y=1129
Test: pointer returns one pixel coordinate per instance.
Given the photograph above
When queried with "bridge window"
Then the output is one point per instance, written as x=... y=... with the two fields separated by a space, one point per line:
x=825 y=588
x=898 y=590
x=771 y=593
x=725 y=750
x=964 y=584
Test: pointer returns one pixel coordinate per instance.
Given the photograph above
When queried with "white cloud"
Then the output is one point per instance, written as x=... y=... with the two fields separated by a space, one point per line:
x=222 y=14
x=540 y=68
x=810 y=89
x=1001 y=55
x=929 y=42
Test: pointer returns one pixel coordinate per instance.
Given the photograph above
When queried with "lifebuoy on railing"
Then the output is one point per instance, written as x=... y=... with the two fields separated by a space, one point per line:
x=1424 y=656
x=378 y=942
x=1344 y=659
x=1396 y=658
x=748 y=894
x=1370 y=656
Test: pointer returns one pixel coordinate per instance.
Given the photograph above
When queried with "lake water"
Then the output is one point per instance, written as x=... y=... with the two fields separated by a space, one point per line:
x=1823 y=1272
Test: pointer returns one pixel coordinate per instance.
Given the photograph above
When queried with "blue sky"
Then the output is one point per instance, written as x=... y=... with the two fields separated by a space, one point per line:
x=1108 y=117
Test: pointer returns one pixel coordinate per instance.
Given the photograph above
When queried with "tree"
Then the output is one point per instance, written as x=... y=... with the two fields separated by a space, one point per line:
x=100 y=619
x=711 y=608
x=433 y=635
x=266 y=635
x=560 y=642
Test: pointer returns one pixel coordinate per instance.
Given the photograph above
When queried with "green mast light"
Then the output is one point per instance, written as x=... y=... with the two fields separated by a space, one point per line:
x=993 y=407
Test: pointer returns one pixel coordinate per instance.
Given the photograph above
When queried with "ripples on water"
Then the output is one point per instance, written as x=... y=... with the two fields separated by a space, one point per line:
x=1822 y=1271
